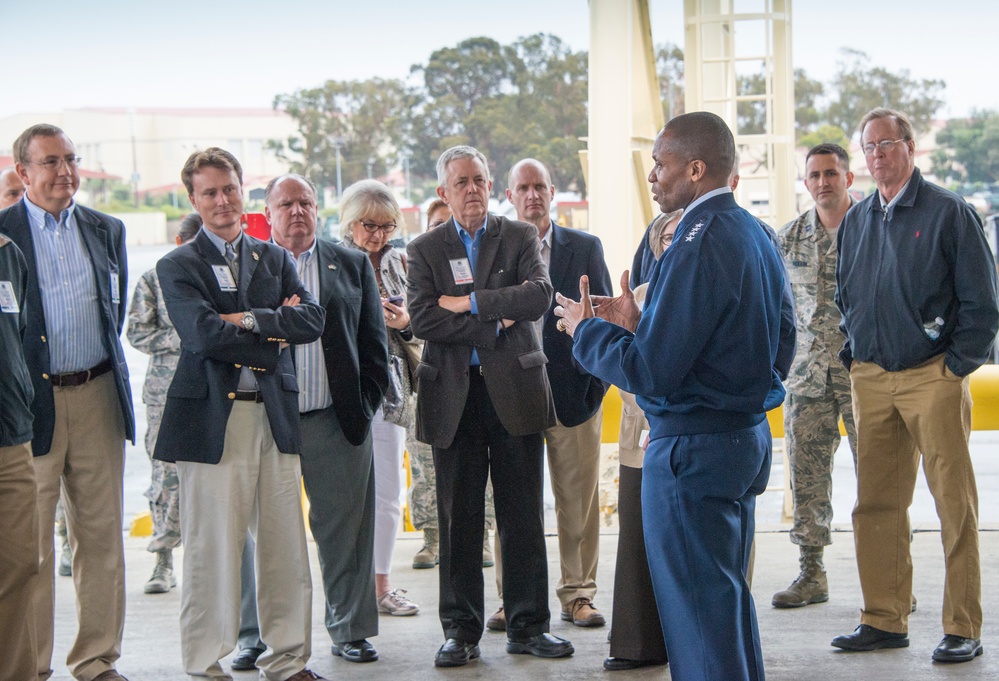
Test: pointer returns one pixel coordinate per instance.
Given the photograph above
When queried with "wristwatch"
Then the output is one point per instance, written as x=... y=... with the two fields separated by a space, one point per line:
x=249 y=321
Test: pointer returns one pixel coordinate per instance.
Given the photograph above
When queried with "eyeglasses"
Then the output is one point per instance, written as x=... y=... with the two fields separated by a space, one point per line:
x=883 y=146
x=55 y=163
x=371 y=227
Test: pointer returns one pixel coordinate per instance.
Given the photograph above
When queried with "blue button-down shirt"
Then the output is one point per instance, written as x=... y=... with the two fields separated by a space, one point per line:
x=68 y=289
x=472 y=246
x=310 y=361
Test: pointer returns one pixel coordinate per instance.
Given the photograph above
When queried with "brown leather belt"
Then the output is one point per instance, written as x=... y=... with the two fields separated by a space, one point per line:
x=80 y=377
x=249 y=396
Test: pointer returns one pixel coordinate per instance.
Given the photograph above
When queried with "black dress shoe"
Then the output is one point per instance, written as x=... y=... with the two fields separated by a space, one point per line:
x=958 y=649
x=246 y=659
x=620 y=664
x=542 y=645
x=456 y=653
x=866 y=637
x=355 y=651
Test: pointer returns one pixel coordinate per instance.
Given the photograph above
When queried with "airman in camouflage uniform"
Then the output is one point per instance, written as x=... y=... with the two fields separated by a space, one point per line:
x=818 y=387
x=150 y=331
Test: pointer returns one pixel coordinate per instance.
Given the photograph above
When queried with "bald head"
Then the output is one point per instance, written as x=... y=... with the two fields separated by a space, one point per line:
x=530 y=190
x=11 y=188
x=292 y=211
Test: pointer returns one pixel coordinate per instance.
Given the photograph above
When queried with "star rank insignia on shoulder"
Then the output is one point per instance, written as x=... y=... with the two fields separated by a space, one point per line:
x=693 y=231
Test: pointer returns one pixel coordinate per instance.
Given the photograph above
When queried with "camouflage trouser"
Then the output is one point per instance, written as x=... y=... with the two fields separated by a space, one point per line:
x=163 y=489
x=423 y=494
x=811 y=430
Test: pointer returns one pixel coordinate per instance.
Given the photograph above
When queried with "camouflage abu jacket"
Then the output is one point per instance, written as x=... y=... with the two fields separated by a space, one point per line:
x=151 y=331
x=810 y=256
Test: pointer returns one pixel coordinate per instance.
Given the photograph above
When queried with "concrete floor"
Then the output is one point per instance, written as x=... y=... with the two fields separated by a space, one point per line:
x=795 y=642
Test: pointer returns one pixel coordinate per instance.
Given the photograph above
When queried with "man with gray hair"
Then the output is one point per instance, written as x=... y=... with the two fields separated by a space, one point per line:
x=11 y=188
x=477 y=284
x=342 y=377
x=916 y=284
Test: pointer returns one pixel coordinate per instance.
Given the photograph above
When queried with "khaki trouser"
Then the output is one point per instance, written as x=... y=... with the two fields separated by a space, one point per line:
x=18 y=563
x=88 y=459
x=257 y=488
x=900 y=414
x=574 y=467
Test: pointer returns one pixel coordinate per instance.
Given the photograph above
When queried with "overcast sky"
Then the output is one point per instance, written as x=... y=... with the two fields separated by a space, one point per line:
x=66 y=54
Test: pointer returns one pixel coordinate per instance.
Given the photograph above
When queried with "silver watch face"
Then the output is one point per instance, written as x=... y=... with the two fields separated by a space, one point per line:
x=248 y=322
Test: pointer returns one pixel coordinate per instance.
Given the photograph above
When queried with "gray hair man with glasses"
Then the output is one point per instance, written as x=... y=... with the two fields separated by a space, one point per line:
x=916 y=285
x=77 y=287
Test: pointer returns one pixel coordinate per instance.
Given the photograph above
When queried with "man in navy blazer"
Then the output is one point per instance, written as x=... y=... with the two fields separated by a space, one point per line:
x=82 y=408
x=573 y=443
x=342 y=378
x=231 y=424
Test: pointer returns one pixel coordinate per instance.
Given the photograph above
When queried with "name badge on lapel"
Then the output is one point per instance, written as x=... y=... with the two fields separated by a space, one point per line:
x=462 y=271
x=8 y=301
x=224 y=276
x=115 y=295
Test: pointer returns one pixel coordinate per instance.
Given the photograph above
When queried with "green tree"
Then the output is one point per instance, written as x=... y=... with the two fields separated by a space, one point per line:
x=969 y=148
x=807 y=93
x=822 y=134
x=669 y=66
x=859 y=87
x=361 y=115
x=508 y=101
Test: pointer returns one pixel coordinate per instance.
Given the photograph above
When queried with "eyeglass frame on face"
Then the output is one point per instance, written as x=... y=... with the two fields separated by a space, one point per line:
x=55 y=163
x=371 y=227
x=883 y=146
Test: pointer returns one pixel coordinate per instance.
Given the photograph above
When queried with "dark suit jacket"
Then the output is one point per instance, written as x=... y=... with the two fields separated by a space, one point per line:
x=354 y=337
x=104 y=239
x=511 y=282
x=577 y=394
x=201 y=394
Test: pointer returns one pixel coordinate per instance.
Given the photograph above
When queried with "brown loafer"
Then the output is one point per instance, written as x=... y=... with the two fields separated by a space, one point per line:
x=582 y=613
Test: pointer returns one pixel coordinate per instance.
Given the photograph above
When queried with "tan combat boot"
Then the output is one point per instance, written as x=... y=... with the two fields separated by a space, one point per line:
x=427 y=557
x=163 y=578
x=487 y=550
x=811 y=586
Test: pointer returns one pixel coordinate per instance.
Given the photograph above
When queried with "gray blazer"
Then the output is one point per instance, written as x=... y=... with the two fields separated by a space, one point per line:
x=511 y=282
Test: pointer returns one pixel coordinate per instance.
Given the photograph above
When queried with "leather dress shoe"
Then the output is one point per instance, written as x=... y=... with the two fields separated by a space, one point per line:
x=620 y=664
x=246 y=659
x=542 y=645
x=456 y=653
x=355 y=651
x=958 y=649
x=866 y=637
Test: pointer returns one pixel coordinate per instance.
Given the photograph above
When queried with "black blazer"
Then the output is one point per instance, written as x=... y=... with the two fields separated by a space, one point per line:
x=353 y=338
x=213 y=352
x=511 y=282
x=577 y=394
x=104 y=239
